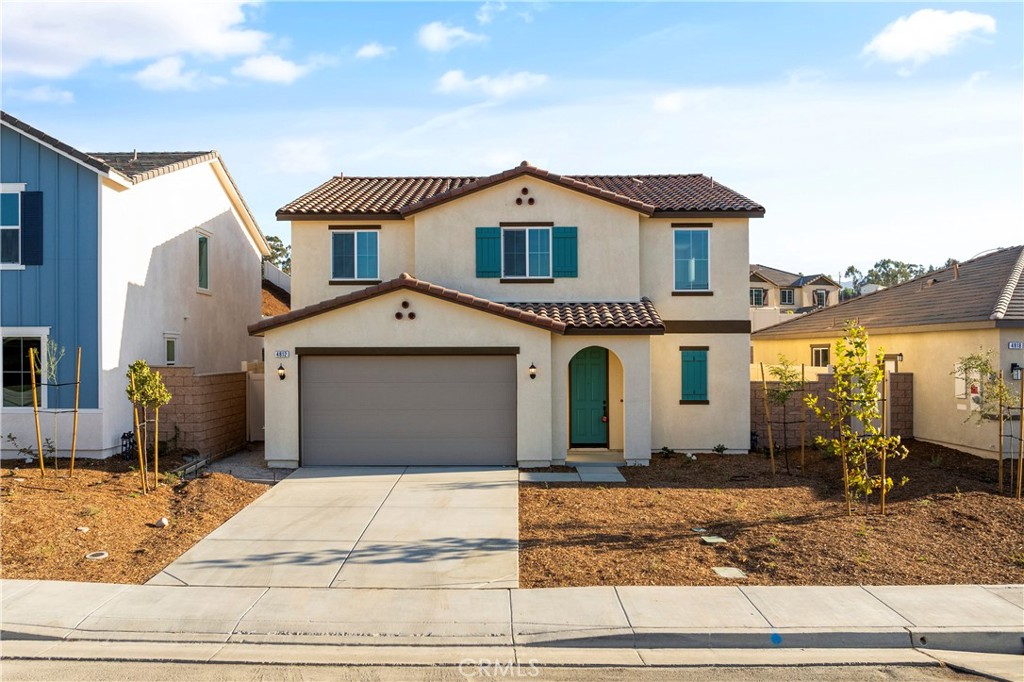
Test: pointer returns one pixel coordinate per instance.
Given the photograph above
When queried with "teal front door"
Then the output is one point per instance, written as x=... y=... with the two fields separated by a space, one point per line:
x=588 y=398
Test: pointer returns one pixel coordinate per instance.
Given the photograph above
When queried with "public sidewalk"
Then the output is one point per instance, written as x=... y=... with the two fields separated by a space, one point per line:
x=973 y=618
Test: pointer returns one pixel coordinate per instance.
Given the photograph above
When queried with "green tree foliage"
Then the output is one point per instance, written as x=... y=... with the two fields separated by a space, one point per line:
x=887 y=273
x=853 y=396
x=787 y=382
x=977 y=368
x=280 y=254
x=146 y=391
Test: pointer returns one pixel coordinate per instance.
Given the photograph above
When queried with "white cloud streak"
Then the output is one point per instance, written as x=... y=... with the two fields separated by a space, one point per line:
x=374 y=50
x=58 y=39
x=487 y=11
x=272 y=68
x=169 y=73
x=43 y=94
x=440 y=37
x=926 y=34
x=504 y=85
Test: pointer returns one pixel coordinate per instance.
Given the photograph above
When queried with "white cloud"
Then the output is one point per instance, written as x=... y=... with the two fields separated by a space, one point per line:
x=373 y=50
x=440 y=37
x=489 y=10
x=58 y=39
x=676 y=101
x=274 y=69
x=503 y=85
x=926 y=34
x=169 y=74
x=43 y=94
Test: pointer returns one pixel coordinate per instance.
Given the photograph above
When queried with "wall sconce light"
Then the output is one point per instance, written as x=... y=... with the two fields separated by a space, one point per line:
x=899 y=357
x=280 y=372
x=533 y=371
x=1016 y=371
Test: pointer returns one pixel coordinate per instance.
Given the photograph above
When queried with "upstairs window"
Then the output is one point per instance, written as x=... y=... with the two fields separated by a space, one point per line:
x=526 y=252
x=786 y=297
x=819 y=356
x=820 y=298
x=692 y=263
x=757 y=297
x=10 y=228
x=204 y=262
x=354 y=255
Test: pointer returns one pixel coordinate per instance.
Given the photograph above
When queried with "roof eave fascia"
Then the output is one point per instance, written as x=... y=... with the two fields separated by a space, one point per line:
x=95 y=165
x=298 y=217
x=242 y=208
x=905 y=329
x=707 y=214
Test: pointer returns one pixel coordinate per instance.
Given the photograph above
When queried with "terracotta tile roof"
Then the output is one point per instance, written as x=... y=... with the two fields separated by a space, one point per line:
x=588 y=317
x=139 y=166
x=561 y=318
x=346 y=197
x=988 y=288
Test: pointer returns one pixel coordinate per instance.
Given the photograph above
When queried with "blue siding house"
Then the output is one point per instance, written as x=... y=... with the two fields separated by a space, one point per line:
x=172 y=232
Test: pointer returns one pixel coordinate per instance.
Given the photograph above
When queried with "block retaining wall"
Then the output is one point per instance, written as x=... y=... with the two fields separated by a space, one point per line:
x=208 y=409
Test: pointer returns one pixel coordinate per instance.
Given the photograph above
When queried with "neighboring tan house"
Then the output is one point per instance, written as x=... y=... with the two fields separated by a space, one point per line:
x=776 y=295
x=925 y=326
x=544 y=315
x=151 y=256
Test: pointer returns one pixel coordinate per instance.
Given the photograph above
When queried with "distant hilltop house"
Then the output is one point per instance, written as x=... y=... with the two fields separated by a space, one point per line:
x=925 y=326
x=777 y=295
x=126 y=255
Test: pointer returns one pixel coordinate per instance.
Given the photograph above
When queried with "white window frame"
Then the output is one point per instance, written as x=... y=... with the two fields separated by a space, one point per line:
x=782 y=297
x=551 y=251
x=764 y=297
x=209 y=262
x=815 y=349
x=690 y=229
x=824 y=294
x=14 y=188
x=173 y=337
x=41 y=333
x=355 y=257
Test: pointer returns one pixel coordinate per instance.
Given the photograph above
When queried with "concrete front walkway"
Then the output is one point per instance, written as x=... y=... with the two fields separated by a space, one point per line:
x=376 y=527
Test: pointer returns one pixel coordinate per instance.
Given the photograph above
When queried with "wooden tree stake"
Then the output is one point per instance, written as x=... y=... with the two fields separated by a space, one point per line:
x=1020 y=441
x=138 y=438
x=1000 y=433
x=803 y=422
x=768 y=418
x=885 y=409
x=156 y=448
x=35 y=409
x=74 y=427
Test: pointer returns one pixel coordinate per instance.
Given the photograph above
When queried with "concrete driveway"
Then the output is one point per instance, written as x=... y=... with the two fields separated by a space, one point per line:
x=398 y=527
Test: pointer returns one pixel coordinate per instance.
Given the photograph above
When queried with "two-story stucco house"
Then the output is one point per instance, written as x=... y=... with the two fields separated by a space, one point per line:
x=151 y=256
x=511 y=319
x=777 y=295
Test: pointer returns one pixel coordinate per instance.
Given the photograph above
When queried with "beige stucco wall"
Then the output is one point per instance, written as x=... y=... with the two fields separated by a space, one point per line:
x=311 y=257
x=930 y=356
x=372 y=323
x=726 y=419
x=729 y=270
x=608 y=249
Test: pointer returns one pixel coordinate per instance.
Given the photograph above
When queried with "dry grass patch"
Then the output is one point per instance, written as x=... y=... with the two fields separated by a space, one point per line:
x=946 y=526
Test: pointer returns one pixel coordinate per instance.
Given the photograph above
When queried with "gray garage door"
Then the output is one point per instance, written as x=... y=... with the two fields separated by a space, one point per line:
x=404 y=410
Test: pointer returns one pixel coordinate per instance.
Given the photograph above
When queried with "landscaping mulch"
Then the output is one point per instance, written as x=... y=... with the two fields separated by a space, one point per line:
x=38 y=518
x=947 y=525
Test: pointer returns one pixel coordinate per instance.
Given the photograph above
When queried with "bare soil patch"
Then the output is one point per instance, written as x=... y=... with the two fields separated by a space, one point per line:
x=947 y=525
x=38 y=518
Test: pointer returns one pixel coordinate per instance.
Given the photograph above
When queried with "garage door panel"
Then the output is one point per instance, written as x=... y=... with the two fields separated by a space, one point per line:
x=408 y=410
x=396 y=396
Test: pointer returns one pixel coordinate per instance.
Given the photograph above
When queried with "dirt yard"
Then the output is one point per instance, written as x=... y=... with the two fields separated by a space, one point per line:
x=946 y=525
x=39 y=517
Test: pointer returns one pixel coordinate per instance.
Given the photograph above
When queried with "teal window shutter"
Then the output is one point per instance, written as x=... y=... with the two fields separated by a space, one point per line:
x=488 y=252
x=564 y=252
x=695 y=375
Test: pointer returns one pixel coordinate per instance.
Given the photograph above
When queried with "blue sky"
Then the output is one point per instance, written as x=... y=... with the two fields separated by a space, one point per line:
x=868 y=130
